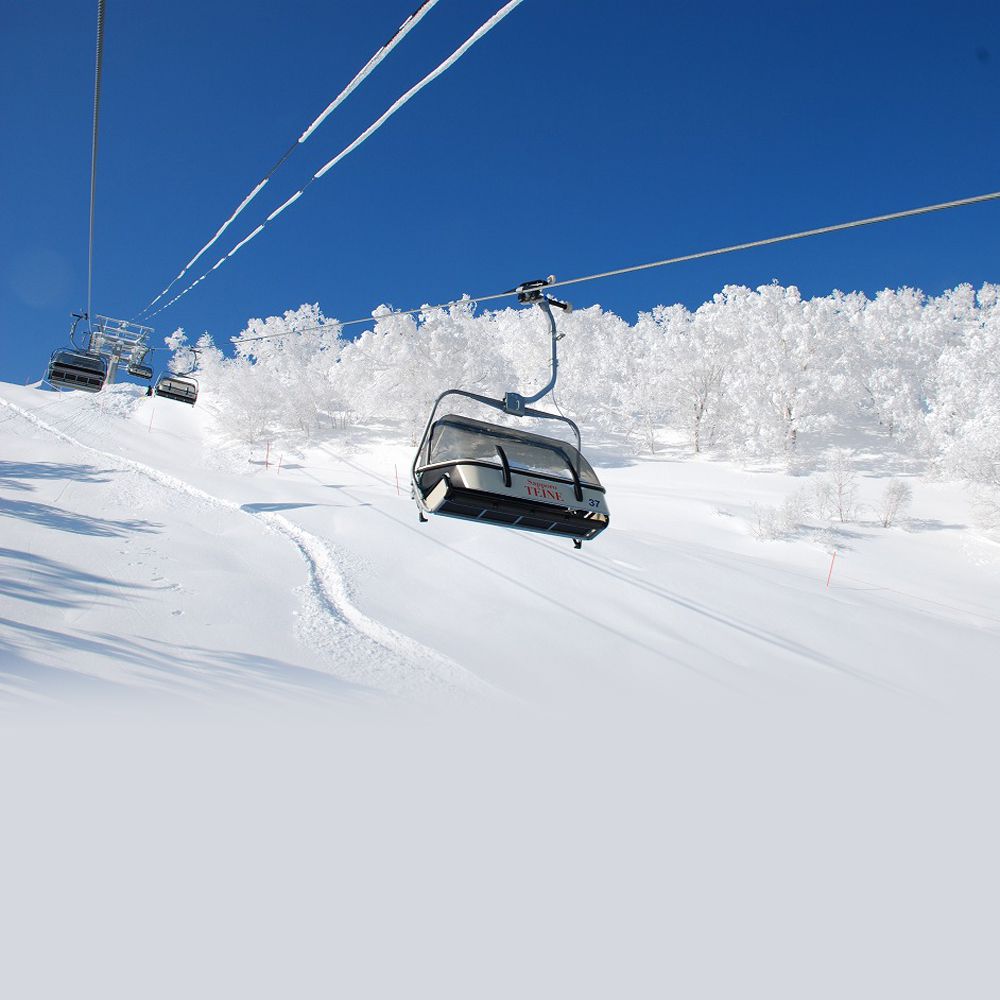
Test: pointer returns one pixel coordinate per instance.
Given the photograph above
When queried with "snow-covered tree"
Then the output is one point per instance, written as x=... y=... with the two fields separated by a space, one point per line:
x=782 y=378
x=965 y=411
x=746 y=374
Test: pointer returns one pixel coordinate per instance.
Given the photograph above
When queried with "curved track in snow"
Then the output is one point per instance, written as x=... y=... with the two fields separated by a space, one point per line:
x=359 y=648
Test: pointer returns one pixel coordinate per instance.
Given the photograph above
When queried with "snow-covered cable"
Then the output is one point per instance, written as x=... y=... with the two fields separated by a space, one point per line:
x=416 y=88
x=410 y=23
x=374 y=127
x=838 y=227
x=404 y=29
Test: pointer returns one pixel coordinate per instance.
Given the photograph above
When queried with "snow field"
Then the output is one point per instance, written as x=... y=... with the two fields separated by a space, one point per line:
x=673 y=763
x=677 y=599
x=363 y=651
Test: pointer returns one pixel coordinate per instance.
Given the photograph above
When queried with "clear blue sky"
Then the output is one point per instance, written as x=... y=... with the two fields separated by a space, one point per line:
x=576 y=137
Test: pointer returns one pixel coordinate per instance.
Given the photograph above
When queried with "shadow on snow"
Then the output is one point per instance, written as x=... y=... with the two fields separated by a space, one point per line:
x=16 y=475
x=27 y=577
x=148 y=668
x=78 y=524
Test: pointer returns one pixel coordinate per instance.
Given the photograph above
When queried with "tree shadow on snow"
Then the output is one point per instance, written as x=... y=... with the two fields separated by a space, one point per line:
x=263 y=508
x=929 y=524
x=25 y=682
x=78 y=524
x=17 y=475
x=27 y=577
x=150 y=669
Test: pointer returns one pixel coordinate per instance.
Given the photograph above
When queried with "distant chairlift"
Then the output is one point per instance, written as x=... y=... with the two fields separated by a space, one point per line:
x=138 y=368
x=75 y=368
x=181 y=387
x=501 y=475
x=122 y=342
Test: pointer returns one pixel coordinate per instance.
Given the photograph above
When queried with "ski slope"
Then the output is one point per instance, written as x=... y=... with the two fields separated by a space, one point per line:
x=142 y=558
x=468 y=762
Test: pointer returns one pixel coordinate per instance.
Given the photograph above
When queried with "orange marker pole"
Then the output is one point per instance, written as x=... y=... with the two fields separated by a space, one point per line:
x=833 y=559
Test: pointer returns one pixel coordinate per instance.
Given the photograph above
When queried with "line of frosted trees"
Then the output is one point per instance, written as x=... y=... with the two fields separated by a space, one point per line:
x=754 y=373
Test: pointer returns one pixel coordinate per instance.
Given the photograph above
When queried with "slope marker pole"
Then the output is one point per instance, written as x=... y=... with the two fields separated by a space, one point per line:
x=833 y=559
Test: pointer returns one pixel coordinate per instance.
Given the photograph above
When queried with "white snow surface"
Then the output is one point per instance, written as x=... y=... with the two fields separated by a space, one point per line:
x=263 y=734
x=140 y=556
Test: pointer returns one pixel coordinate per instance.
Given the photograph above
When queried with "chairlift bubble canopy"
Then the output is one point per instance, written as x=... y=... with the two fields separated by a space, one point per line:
x=77 y=370
x=180 y=388
x=456 y=438
x=502 y=475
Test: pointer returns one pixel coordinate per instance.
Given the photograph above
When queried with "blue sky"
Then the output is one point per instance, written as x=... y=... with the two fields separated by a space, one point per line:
x=576 y=137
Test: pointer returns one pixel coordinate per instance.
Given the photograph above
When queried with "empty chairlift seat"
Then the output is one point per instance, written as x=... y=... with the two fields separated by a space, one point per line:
x=139 y=370
x=78 y=370
x=181 y=388
x=501 y=475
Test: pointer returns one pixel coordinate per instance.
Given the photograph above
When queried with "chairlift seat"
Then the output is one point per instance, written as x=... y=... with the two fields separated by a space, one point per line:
x=138 y=370
x=78 y=370
x=181 y=388
x=501 y=475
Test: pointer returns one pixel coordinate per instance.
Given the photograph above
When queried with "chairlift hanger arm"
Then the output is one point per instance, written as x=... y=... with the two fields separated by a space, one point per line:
x=77 y=319
x=530 y=293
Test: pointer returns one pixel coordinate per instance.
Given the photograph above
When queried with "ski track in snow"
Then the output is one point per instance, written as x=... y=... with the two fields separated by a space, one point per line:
x=329 y=621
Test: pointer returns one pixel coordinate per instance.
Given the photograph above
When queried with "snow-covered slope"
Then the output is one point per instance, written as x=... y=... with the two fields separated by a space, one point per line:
x=672 y=764
x=139 y=557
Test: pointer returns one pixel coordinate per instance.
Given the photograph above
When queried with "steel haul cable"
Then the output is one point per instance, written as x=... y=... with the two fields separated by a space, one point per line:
x=699 y=255
x=368 y=132
x=401 y=32
x=93 y=152
x=839 y=227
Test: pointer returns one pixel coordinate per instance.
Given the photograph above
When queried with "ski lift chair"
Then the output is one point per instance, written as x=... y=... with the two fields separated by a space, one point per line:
x=502 y=475
x=182 y=388
x=139 y=369
x=78 y=370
